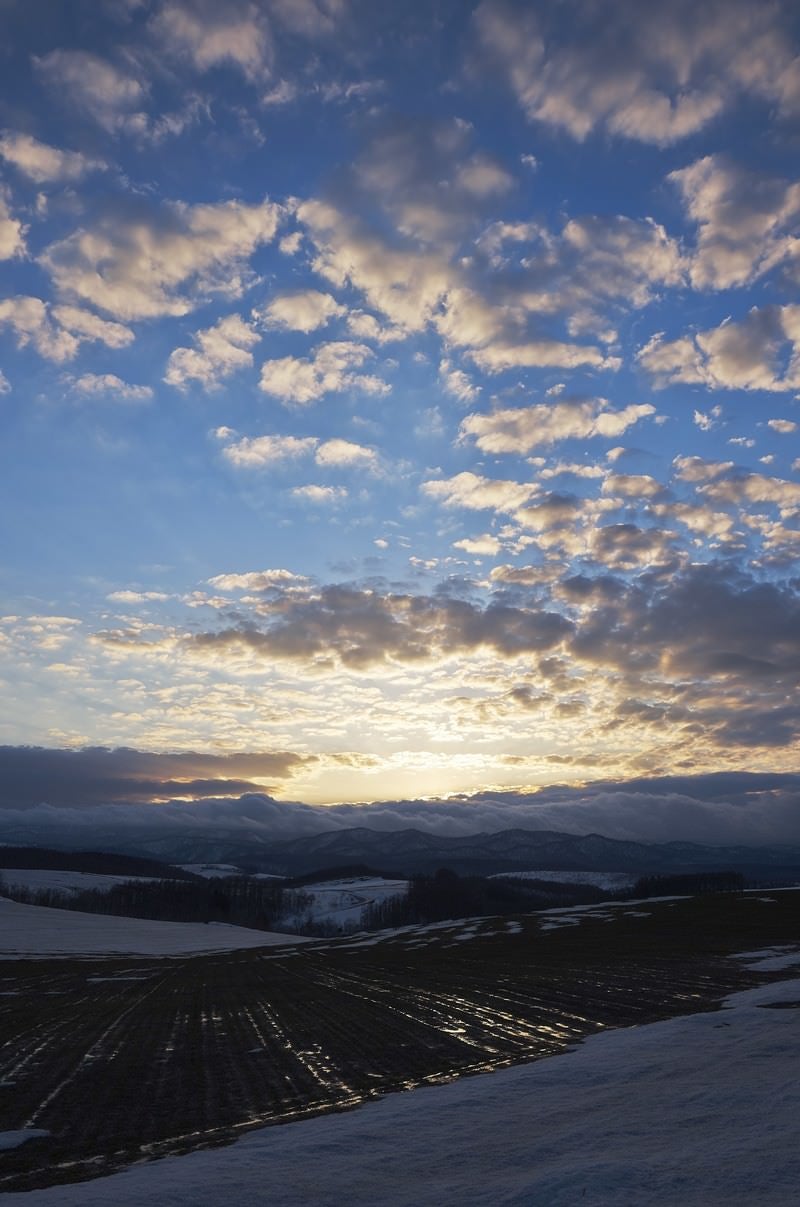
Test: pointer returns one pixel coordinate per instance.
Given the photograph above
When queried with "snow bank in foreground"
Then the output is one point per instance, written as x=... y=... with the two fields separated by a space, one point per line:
x=38 y=930
x=697 y=1111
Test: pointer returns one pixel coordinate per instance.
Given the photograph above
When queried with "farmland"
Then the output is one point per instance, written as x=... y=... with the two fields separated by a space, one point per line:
x=122 y=1058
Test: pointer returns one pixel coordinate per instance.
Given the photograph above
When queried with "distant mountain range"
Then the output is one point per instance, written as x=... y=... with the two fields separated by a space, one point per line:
x=409 y=851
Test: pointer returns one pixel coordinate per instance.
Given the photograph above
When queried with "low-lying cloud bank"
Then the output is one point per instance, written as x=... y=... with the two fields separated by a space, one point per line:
x=751 y=809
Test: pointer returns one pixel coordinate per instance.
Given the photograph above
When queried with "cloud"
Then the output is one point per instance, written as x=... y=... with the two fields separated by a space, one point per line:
x=103 y=92
x=521 y=429
x=12 y=232
x=338 y=453
x=137 y=597
x=476 y=493
x=108 y=385
x=482 y=546
x=95 y=775
x=632 y=486
x=209 y=36
x=142 y=261
x=744 y=220
x=42 y=163
x=404 y=285
x=221 y=350
x=743 y=355
x=499 y=355
x=260 y=580
x=313 y=493
x=786 y=427
x=306 y=310
x=721 y=809
x=428 y=178
x=709 y=620
x=258 y=451
x=57 y=332
x=741 y=487
x=329 y=369
x=627 y=546
x=28 y=318
x=87 y=326
x=653 y=74
x=361 y=629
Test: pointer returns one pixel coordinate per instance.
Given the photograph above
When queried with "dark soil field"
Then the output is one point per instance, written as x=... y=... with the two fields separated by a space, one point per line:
x=124 y=1059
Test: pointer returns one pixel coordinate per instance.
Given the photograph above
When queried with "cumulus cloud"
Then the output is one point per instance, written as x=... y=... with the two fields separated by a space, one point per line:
x=87 y=326
x=258 y=451
x=654 y=74
x=30 y=321
x=481 y=546
x=209 y=36
x=744 y=220
x=361 y=628
x=477 y=493
x=108 y=385
x=12 y=231
x=745 y=355
x=306 y=310
x=110 y=95
x=220 y=351
x=338 y=453
x=426 y=175
x=331 y=368
x=57 y=332
x=259 y=580
x=314 y=493
x=520 y=429
x=42 y=163
x=140 y=260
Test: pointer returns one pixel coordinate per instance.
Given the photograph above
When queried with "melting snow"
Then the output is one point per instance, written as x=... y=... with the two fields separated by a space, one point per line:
x=691 y=1112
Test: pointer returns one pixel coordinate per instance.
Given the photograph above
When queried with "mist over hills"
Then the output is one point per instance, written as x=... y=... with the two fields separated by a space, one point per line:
x=412 y=851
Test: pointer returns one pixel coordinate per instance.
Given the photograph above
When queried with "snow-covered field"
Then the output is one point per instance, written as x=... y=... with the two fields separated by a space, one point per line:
x=698 y=1111
x=61 y=881
x=37 y=930
x=341 y=903
x=605 y=880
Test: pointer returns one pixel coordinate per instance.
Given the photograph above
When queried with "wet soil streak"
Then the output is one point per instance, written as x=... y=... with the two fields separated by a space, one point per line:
x=122 y=1059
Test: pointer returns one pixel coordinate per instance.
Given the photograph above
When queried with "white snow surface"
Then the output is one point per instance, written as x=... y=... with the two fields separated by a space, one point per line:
x=342 y=903
x=698 y=1111
x=36 y=930
x=64 y=882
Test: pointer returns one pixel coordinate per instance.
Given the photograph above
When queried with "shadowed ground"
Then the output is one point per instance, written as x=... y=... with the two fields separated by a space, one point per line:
x=119 y=1059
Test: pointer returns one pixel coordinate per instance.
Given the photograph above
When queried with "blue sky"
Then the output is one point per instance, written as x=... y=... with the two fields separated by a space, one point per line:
x=401 y=399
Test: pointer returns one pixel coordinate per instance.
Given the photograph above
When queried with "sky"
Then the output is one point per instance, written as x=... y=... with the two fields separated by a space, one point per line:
x=397 y=400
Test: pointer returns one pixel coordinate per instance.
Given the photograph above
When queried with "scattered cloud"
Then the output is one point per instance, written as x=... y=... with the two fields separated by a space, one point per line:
x=519 y=429
x=306 y=310
x=141 y=260
x=42 y=163
x=743 y=355
x=331 y=368
x=220 y=351
x=108 y=385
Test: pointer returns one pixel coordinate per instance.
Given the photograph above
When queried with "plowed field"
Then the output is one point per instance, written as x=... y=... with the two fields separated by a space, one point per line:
x=120 y=1059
